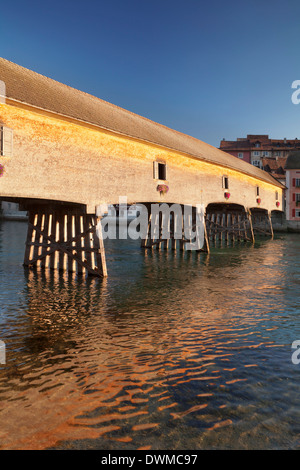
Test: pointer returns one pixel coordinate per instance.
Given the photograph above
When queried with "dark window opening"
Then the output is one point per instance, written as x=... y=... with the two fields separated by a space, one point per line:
x=257 y=190
x=225 y=182
x=162 y=173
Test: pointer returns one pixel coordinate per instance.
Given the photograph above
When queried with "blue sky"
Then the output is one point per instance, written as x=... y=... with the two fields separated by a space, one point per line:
x=211 y=69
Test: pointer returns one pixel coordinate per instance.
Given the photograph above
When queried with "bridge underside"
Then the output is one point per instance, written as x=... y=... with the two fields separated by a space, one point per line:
x=227 y=223
x=261 y=221
x=63 y=236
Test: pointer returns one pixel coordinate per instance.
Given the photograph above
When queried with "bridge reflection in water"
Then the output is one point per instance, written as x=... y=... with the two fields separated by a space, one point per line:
x=172 y=351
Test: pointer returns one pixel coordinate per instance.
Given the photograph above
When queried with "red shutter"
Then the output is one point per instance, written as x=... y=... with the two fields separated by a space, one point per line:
x=294 y=182
x=294 y=197
x=294 y=213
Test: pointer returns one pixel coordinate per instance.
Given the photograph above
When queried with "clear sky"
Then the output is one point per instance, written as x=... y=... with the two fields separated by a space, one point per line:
x=212 y=69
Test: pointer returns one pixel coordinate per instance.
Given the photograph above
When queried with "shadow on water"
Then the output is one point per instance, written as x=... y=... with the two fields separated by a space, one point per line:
x=172 y=351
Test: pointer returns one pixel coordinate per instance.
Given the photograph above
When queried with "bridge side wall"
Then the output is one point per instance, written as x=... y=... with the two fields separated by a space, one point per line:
x=59 y=159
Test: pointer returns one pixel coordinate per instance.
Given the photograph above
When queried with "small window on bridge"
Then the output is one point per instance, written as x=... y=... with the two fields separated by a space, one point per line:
x=6 y=141
x=257 y=190
x=160 y=171
x=276 y=196
x=225 y=182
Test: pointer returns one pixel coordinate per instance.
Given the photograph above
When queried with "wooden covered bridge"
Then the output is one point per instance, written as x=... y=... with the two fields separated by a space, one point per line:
x=65 y=153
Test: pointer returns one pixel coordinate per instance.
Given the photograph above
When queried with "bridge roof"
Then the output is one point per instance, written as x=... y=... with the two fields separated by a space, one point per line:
x=31 y=88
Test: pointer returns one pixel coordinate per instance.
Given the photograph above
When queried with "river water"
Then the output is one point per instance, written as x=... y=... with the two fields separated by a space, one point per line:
x=171 y=351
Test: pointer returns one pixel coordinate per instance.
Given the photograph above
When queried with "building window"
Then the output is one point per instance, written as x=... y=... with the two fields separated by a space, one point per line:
x=241 y=155
x=225 y=182
x=256 y=163
x=257 y=144
x=276 y=196
x=277 y=154
x=297 y=213
x=159 y=171
x=265 y=154
x=297 y=182
x=256 y=153
x=6 y=141
x=297 y=197
x=257 y=190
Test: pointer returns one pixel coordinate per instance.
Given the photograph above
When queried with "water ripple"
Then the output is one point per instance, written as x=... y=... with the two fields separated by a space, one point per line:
x=172 y=351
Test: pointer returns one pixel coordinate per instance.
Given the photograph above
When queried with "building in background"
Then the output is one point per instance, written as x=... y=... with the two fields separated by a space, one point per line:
x=263 y=152
x=275 y=166
x=292 y=168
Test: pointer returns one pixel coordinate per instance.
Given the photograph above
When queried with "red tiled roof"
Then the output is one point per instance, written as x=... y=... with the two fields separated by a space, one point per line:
x=255 y=137
x=274 y=163
x=265 y=144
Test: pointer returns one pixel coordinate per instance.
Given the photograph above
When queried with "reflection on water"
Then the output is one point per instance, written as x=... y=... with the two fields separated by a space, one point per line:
x=172 y=351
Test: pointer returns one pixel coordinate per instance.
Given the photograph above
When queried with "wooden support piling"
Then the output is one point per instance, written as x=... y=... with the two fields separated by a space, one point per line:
x=270 y=225
x=66 y=241
x=251 y=226
x=262 y=223
x=159 y=225
x=228 y=226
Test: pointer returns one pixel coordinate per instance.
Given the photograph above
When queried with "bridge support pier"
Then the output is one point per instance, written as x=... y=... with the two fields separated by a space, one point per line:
x=66 y=240
x=262 y=223
x=180 y=228
x=227 y=225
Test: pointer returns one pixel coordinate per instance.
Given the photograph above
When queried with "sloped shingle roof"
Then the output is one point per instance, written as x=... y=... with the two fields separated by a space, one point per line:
x=39 y=91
